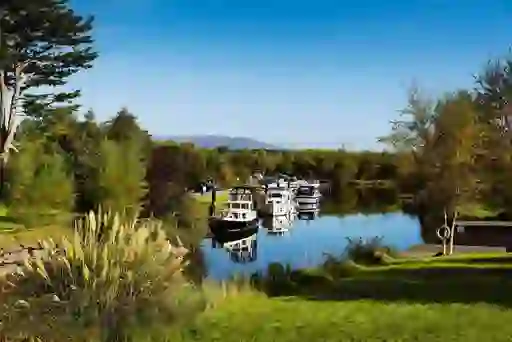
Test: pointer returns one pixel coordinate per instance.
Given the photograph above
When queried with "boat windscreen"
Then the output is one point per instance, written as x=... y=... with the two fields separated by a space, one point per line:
x=307 y=191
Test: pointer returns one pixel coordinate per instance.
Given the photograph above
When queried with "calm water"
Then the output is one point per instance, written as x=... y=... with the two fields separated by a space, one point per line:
x=307 y=241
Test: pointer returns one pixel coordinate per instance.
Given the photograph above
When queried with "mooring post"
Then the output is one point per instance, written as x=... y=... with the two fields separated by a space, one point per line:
x=214 y=199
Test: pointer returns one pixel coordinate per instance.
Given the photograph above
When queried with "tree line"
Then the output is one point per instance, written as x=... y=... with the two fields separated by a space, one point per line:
x=68 y=162
x=457 y=148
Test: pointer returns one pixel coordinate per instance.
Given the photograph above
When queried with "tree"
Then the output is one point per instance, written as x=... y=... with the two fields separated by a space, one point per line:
x=494 y=97
x=41 y=186
x=42 y=43
x=124 y=126
x=121 y=177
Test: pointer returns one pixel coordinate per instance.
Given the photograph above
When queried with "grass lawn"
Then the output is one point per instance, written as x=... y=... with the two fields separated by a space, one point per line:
x=477 y=210
x=29 y=237
x=13 y=233
x=463 y=298
x=206 y=199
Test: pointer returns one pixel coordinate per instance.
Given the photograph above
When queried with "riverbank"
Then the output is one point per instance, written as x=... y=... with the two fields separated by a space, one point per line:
x=458 y=298
x=426 y=250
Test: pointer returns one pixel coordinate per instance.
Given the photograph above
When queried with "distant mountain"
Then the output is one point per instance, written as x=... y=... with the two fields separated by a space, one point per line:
x=213 y=141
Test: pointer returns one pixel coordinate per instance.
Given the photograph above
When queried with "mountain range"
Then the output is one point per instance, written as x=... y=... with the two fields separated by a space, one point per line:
x=214 y=141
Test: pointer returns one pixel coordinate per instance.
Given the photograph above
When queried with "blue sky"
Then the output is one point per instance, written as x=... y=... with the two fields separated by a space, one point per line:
x=302 y=73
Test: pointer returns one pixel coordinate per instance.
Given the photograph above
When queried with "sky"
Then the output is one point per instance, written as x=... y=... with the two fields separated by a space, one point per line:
x=295 y=73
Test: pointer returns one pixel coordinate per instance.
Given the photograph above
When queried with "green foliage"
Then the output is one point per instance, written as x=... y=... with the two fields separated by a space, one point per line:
x=40 y=188
x=368 y=251
x=121 y=176
x=50 y=41
x=114 y=280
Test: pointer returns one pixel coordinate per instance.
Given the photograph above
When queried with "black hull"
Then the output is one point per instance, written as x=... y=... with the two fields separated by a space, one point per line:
x=224 y=231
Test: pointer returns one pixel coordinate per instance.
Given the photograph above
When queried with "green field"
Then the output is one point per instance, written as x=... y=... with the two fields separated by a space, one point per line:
x=449 y=299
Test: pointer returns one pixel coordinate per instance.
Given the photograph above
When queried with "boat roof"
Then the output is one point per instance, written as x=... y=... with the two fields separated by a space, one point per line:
x=242 y=187
x=308 y=185
x=277 y=188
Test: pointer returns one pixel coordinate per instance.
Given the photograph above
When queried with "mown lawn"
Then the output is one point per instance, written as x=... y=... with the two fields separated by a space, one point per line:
x=206 y=199
x=29 y=237
x=449 y=299
x=13 y=233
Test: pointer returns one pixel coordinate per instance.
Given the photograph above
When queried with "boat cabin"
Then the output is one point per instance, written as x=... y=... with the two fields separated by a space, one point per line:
x=307 y=190
x=277 y=194
x=240 y=194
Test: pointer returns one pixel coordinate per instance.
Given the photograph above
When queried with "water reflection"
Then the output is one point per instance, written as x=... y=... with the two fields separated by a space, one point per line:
x=303 y=239
x=242 y=247
x=278 y=225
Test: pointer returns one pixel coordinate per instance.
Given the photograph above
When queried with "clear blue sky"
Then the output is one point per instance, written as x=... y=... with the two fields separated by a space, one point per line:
x=318 y=73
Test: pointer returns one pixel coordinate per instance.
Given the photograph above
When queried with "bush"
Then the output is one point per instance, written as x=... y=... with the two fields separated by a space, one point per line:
x=121 y=176
x=339 y=267
x=116 y=280
x=368 y=252
x=40 y=189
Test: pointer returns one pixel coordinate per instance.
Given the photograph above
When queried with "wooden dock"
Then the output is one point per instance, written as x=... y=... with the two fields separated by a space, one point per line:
x=483 y=223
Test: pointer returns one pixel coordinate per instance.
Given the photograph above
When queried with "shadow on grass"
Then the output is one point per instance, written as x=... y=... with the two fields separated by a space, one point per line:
x=441 y=283
x=8 y=224
x=423 y=285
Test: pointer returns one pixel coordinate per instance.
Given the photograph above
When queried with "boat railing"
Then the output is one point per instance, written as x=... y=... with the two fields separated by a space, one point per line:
x=240 y=197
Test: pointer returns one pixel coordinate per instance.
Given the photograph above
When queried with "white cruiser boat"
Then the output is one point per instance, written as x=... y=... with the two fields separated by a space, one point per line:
x=240 y=213
x=278 y=201
x=308 y=194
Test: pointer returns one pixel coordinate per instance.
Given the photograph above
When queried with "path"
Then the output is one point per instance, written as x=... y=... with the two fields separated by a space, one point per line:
x=9 y=260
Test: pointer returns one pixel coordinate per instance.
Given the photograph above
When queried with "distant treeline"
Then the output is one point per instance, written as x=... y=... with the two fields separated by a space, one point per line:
x=71 y=163
x=192 y=165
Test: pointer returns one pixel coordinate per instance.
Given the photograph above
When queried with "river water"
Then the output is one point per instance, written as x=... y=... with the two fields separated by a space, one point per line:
x=304 y=242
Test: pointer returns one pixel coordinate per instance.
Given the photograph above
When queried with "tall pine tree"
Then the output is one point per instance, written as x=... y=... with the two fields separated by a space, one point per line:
x=42 y=43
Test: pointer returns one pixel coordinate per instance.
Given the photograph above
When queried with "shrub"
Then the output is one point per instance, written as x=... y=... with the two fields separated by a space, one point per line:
x=40 y=186
x=121 y=176
x=368 y=252
x=339 y=267
x=115 y=280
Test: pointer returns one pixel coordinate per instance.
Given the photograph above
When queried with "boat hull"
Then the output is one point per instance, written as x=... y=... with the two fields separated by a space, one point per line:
x=230 y=236
x=308 y=207
x=232 y=230
x=307 y=200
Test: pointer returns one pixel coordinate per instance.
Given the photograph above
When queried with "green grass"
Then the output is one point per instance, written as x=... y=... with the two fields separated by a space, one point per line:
x=462 y=298
x=477 y=210
x=204 y=201
x=252 y=318
x=206 y=198
x=13 y=238
x=13 y=233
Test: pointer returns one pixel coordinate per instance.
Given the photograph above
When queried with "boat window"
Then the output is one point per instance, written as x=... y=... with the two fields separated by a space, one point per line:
x=276 y=195
x=235 y=205
x=308 y=191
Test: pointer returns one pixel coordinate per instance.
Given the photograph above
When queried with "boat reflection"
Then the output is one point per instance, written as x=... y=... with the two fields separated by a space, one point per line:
x=308 y=212
x=242 y=247
x=279 y=225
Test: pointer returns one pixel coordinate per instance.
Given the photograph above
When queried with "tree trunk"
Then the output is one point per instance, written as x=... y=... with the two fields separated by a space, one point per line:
x=2 y=179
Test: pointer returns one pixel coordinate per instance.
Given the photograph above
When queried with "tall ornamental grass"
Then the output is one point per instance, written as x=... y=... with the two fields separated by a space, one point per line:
x=115 y=280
